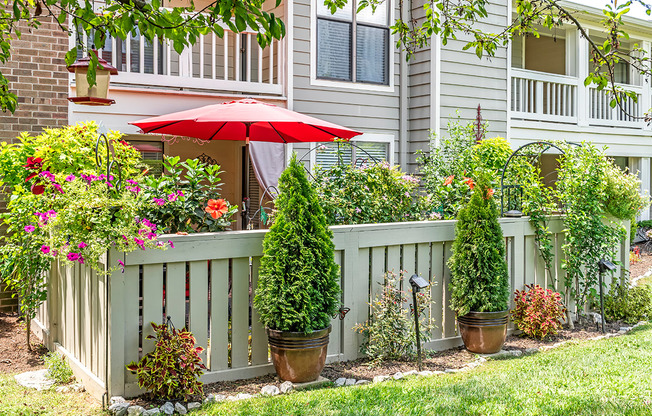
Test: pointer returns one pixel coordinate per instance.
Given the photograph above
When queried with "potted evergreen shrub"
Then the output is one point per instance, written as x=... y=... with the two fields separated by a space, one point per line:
x=298 y=287
x=479 y=280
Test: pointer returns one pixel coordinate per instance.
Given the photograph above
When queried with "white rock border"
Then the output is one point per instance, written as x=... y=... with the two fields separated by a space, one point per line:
x=120 y=406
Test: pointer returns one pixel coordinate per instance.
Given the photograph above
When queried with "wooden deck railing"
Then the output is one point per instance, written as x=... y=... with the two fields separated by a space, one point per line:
x=207 y=282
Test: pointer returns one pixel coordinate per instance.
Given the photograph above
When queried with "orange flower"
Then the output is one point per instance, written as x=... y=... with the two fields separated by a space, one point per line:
x=449 y=180
x=217 y=208
x=490 y=193
x=469 y=182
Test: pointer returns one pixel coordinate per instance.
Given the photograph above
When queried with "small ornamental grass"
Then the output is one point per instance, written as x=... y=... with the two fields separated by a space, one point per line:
x=173 y=369
x=389 y=333
x=538 y=312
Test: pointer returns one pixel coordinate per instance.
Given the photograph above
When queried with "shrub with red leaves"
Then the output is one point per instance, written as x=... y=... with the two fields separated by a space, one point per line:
x=538 y=312
x=173 y=369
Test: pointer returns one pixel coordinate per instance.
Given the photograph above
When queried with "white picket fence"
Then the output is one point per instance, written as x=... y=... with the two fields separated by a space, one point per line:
x=207 y=282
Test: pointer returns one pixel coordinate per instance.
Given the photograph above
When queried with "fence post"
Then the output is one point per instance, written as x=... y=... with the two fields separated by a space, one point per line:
x=115 y=376
x=355 y=281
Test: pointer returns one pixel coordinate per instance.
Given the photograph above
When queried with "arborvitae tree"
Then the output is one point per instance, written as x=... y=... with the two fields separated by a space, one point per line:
x=479 y=279
x=298 y=287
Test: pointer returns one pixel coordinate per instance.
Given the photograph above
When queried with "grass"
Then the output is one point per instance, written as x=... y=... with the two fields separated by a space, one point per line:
x=606 y=377
x=17 y=400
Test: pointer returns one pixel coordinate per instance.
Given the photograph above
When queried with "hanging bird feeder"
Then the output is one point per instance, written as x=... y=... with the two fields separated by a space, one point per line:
x=97 y=94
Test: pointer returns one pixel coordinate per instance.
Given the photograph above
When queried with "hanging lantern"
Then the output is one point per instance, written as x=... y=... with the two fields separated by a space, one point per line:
x=97 y=94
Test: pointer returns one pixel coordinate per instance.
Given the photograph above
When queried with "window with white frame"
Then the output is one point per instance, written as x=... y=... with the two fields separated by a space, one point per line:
x=353 y=46
x=361 y=152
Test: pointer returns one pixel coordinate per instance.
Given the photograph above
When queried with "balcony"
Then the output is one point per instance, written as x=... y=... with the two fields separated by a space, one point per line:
x=539 y=96
x=232 y=64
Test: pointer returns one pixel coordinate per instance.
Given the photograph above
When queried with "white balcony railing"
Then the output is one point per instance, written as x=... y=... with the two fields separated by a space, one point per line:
x=625 y=115
x=545 y=97
x=233 y=63
x=549 y=97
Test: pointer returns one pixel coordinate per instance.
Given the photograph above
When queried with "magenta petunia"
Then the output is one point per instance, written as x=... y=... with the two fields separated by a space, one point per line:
x=45 y=249
x=73 y=256
x=70 y=178
x=158 y=201
x=171 y=243
x=82 y=245
x=29 y=228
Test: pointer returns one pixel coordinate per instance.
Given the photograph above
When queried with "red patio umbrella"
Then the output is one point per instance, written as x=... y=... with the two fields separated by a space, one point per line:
x=245 y=120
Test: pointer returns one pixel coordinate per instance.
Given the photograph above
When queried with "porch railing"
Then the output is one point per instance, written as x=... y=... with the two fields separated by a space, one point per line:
x=208 y=280
x=234 y=62
x=545 y=97
x=625 y=115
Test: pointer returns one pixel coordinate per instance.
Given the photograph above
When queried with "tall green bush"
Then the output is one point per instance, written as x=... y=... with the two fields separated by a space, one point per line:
x=298 y=285
x=479 y=279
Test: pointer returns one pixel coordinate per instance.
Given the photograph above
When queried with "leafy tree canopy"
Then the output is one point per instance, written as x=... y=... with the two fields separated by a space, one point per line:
x=446 y=19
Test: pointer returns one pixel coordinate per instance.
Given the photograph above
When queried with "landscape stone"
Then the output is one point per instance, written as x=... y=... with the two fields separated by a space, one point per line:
x=425 y=373
x=625 y=328
x=286 y=387
x=35 y=379
x=179 y=408
x=119 y=409
x=167 y=408
x=361 y=382
x=62 y=389
x=194 y=405
x=340 y=382
x=243 y=396
x=410 y=373
x=516 y=353
x=379 y=379
x=219 y=397
x=77 y=387
x=529 y=351
x=397 y=376
x=350 y=382
x=116 y=399
x=270 y=390
x=151 y=412
x=309 y=385
x=135 y=410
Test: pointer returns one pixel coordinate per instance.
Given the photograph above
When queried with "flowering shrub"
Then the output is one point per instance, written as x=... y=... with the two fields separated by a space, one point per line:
x=622 y=196
x=61 y=206
x=173 y=369
x=366 y=194
x=389 y=333
x=186 y=198
x=538 y=312
x=453 y=163
x=635 y=255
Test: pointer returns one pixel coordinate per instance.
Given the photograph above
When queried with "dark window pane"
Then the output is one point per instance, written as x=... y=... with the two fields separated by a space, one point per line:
x=371 y=55
x=333 y=50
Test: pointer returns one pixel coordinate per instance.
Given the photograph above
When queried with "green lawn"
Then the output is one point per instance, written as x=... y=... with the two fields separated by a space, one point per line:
x=606 y=377
x=17 y=400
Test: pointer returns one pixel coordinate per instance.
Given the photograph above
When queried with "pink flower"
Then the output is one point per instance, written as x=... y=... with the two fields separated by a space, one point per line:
x=73 y=256
x=70 y=178
x=82 y=245
x=159 y=201
x=171 y=243
x=172 y=197
x=180 y=193
x=29 y=228
x=45 y=249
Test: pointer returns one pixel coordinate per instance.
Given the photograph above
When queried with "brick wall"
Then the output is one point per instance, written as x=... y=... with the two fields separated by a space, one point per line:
x=38 y=76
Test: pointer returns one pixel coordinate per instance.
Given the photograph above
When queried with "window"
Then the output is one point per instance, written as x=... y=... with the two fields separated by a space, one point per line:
x=544 y=53
x=623 y=73
x=152 y=153
x=352 y=46
x=362 y=151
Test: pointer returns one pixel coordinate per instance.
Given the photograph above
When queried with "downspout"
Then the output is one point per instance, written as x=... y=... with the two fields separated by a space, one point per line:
x=403 y=139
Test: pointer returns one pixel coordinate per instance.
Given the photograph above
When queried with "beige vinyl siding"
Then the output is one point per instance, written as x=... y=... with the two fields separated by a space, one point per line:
x=366 y=110
x=467 y=81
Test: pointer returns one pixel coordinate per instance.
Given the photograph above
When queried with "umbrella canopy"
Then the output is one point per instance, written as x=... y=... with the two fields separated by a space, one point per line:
x=246 y=120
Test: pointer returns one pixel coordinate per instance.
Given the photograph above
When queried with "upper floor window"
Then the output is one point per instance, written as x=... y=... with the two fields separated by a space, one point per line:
x=353 y=46
x=623 y=71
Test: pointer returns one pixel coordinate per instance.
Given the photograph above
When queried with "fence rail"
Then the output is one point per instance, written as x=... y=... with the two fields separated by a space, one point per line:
x=208 y=280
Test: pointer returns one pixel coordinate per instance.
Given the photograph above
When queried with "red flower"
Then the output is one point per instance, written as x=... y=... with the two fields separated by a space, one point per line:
x=35 y=163
x=216 y=207
x=38 y=189
x=449 y=180
x=490 y=193
x=469 y=182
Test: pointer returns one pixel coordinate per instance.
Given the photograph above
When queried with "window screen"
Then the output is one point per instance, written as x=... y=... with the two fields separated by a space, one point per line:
x=371 y=54
x=329 y=157
x=368 y=152
x=333 y=50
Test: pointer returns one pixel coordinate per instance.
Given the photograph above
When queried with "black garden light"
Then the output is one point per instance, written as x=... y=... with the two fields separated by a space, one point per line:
x=417 y=283
x=604 y=265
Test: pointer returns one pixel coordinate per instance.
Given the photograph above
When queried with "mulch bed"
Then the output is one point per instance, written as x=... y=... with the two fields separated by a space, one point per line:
x=640 y=267
x=14 y=355
x=435 y=361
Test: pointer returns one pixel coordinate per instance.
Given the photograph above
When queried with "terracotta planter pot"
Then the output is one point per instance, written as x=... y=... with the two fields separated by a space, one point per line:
x=298 y=357
x=483 y=332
